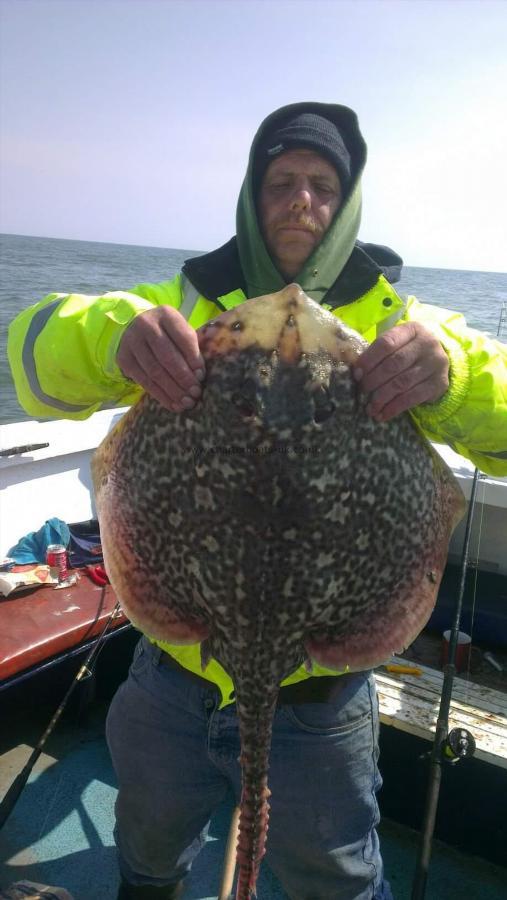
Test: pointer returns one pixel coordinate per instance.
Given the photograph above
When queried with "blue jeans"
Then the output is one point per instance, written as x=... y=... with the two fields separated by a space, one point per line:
x=176 y=755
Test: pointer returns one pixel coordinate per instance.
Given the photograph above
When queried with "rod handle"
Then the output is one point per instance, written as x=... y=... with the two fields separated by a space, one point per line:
x=230 y=858
x=10 y=799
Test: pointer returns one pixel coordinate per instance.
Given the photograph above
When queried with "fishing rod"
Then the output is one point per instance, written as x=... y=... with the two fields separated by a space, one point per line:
x=85 y=670
x=448 y=746
x=229 y=864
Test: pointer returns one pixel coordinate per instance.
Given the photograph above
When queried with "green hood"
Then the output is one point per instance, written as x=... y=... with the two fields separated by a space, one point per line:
x=326 y=262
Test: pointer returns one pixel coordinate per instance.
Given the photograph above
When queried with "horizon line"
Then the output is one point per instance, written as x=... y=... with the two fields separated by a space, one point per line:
x=200 y=252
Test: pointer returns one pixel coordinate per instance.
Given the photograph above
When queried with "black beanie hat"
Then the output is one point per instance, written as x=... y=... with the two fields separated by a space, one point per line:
x=304 y=131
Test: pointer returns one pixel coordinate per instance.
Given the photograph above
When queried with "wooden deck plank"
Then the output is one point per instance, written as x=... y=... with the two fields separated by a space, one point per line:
x=411 y=703
x=466 y=692
x=491 y=721
x=424 y=716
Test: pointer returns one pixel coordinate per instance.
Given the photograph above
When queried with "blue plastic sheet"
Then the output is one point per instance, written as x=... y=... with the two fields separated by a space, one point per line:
x=32 y=547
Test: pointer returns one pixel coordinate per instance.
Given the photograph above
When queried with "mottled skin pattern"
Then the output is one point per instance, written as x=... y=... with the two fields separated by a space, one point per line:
x=276 y=522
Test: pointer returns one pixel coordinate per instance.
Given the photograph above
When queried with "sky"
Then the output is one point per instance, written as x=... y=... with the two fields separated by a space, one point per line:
x=130 y=121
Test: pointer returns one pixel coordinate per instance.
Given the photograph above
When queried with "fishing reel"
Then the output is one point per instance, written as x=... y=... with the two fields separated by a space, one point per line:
x=459 y=744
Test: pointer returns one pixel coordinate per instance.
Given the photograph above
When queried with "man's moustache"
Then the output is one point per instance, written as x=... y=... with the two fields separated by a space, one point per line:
x=301 y=222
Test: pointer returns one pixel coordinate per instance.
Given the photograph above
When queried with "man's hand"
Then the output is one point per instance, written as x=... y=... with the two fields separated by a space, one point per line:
x=404 y=367
x=160 y=351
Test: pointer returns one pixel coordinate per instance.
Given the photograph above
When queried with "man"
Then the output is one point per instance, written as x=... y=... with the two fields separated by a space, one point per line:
x=172 y=729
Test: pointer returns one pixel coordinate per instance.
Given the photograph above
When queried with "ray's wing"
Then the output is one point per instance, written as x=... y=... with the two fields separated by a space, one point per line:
x=396 y=621
x=128 y=491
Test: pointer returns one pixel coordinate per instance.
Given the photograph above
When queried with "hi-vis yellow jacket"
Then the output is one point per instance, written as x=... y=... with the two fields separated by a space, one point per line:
x=62 y=353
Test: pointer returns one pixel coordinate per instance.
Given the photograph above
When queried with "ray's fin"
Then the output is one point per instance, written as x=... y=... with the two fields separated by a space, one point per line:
x=205 y=654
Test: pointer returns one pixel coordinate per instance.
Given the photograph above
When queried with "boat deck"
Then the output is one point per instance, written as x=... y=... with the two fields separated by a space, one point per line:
x=411 y=703
x=61 y=831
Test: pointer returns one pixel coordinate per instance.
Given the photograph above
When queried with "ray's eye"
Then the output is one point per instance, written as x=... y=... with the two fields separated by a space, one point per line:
x=245 y=402
x=324 y=406
x=244 y=406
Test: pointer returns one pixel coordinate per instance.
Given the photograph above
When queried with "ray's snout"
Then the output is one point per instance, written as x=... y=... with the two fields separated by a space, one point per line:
x=294 y=361
x=287 y=323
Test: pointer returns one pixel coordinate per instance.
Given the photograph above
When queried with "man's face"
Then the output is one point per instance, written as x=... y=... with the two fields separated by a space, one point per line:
x=299 y=196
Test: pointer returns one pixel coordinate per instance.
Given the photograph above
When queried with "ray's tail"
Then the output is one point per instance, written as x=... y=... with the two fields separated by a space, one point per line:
x=255 y=730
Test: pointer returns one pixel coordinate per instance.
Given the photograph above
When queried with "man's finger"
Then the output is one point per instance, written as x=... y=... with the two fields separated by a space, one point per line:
x=186 y=340
x=424 y=392
x=394 y=366
x=137 y=374
x=163 y=330
x=165 y=364
x=382 y=348
x=400 y=384
x=182 y=397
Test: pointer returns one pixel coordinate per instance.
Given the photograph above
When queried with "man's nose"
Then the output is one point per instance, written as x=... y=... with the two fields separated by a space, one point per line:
x=301 y=199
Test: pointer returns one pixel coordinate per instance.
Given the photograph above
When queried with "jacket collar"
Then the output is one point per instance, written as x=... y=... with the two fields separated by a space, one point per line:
x=219 y=272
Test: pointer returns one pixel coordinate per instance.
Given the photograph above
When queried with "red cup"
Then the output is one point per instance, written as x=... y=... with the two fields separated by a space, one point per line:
x=463 y=648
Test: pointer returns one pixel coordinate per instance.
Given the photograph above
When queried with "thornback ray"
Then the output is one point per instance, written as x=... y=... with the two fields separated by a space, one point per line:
x=276 y=523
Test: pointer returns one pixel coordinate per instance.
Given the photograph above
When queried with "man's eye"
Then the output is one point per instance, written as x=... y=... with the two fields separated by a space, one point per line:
x=324 y=188
x=277 y=185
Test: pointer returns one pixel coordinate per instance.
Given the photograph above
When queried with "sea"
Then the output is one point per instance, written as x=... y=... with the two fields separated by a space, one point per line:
x=31 y=267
